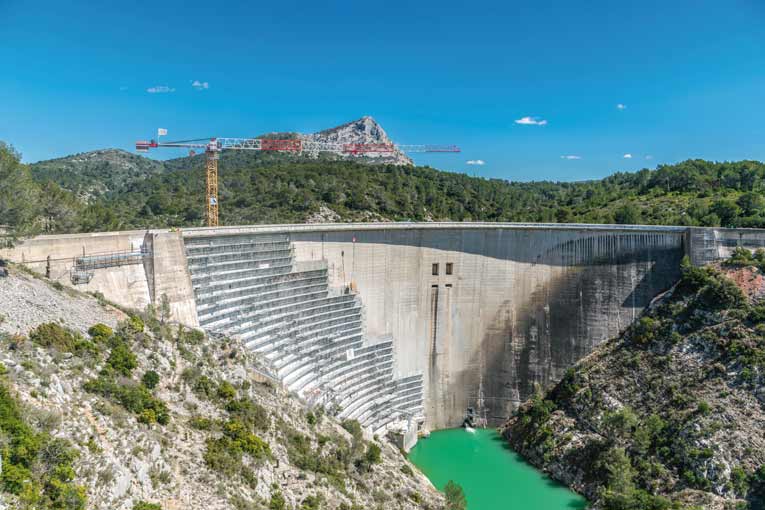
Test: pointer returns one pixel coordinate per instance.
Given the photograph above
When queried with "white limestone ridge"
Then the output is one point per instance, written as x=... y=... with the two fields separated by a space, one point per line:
x=364 y=130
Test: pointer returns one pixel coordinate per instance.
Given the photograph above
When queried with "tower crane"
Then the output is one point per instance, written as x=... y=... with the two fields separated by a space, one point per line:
x=214 y=146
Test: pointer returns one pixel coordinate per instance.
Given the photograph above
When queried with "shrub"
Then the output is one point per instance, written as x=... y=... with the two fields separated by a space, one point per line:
x=133 y=397
x=190 y=336
x=455 y=497
x=740 y=257
x=634 y=499
x=143 y=505
x=100 y=332
x=373 y=455
x=250 y=413
x=122 y=359
x=646 y=330
x=312 y=502
x=692 y=277
x=36 y=467
x=620 y=423
x=150 y=379
x=354 y=427
x=201 y=423
x=226 y=390
x=224 y=454
x=277 y=501
x=721 y=293
x=757 y=314
x=740 y=480
x=703 y=408
x=54 y=335
x=147 y=416
x=204 y=387
x=135 y=324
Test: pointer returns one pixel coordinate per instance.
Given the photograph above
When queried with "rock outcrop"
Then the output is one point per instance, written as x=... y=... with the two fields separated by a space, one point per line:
x=364 y=130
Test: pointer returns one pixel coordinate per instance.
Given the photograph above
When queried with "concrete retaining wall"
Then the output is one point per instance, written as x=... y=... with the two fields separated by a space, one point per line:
x=126 y=285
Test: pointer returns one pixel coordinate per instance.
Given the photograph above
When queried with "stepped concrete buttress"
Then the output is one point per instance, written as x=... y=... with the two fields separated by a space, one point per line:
x=388 y=320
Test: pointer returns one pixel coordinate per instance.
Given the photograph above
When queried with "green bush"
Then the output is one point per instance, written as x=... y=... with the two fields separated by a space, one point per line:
x=224 y=454
x=122 y=359
x=143 y=505
x=150 y=379
x=36 y=468
x=190 y=336
x=721 y=293
x=692 y=277
x=250 y=413
x=455 y=497
x=201 y=423
x=635 y=499
x=135 y=324
x=646 y=330
x=277 y=501
x=225 y=391
x=312 y=502
x=740 y=257
x=373 y=455
x=204 y=387
x=54 y=335
x=100 y=332
x=703 y=408
x=133 y=397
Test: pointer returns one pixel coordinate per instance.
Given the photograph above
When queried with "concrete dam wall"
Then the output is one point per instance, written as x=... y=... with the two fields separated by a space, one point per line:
x=391 y=322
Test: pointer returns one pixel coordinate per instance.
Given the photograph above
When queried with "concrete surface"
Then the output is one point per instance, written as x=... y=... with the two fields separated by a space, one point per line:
x=523 y=302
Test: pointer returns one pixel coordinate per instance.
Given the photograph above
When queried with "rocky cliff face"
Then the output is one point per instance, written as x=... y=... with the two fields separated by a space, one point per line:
x=364 y=130
x=204 y=431
x=673 y=411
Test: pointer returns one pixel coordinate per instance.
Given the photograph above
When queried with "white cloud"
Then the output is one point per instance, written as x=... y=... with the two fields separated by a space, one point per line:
x=478 y=162
x=200 y=85
x=648 y=156
x=531 y=121
x=621 y=106
x=628 y=156
x=571 y=156
x=160 y=89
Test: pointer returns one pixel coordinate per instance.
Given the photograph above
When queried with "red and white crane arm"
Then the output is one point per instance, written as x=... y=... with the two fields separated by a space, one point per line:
x=213 y=146
x=291 y=145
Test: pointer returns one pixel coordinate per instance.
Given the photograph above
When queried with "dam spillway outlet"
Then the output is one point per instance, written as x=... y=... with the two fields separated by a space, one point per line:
x=310 y=335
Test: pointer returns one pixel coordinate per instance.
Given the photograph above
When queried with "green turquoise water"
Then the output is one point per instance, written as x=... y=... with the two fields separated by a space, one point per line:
x=492 y=475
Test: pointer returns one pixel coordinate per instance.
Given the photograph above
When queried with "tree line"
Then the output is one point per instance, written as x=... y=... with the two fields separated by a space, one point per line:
x=270 y=188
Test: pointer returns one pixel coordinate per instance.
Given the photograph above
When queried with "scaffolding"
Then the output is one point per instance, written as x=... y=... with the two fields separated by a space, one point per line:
x=84 y=267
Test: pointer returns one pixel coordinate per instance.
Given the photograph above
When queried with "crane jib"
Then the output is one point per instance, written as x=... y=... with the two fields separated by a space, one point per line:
x=213 y=146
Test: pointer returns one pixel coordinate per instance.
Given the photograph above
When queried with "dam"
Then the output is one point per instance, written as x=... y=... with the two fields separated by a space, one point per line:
x=398 y=325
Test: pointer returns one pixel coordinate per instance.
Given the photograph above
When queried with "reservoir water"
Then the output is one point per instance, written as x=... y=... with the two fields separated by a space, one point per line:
x=492 y=475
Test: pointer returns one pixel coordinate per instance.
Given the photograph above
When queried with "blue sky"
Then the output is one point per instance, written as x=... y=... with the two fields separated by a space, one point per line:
x=690 y=76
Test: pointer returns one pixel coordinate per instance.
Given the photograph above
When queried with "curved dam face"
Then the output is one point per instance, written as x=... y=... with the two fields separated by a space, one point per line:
x=384 y=322
x=485 y=314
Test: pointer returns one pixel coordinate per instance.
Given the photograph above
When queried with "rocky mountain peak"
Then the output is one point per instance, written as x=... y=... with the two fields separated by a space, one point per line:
x=364 y=130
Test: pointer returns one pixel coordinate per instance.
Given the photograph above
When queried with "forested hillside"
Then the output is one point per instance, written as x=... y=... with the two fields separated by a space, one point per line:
x=118 y=190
